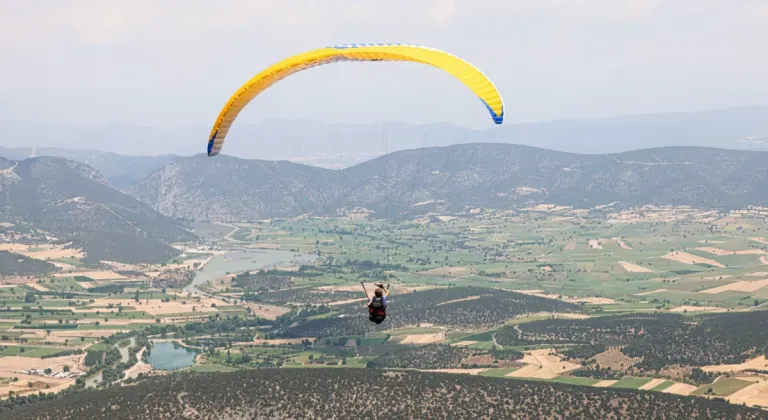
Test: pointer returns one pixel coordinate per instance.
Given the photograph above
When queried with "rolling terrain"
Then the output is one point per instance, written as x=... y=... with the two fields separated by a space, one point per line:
x=455 y=178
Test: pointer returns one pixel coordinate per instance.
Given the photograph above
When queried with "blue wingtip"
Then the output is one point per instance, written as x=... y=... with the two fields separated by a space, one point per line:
x=498 y=119
x=210 y=144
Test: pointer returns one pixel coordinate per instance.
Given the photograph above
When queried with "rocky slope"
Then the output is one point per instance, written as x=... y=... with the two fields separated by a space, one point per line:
x=72 y=200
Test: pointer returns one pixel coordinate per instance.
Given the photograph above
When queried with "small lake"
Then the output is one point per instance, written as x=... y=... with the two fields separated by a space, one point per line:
x=171 y=356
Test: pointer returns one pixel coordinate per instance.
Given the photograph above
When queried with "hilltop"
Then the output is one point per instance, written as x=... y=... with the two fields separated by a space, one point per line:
x=72 y=201
x=455 y=178
x=121 y=170
x=352 y=393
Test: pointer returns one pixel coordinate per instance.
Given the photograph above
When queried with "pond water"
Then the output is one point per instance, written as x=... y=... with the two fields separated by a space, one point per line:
x=171 y=356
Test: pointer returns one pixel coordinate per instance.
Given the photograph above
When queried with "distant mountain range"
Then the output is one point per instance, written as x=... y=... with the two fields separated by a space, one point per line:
x=455 y=178
x=73 y=201
x=344 y=145
x=121 y=170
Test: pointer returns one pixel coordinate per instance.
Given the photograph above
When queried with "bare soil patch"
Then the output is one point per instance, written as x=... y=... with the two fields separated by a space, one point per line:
x=138 y=368
x=592 y=300
x=158 y=307
x=595 y=244
x=755 y=394
x=759 y=363
x=690 y=259
x=680 y=389
x=43 y=251
x=542 y=364
x=715 y=251
x=605 y=383
x=423 y=338
x=721 y=252
x=267 y=311
x=39 y=287
x=95 y=275
x=739 y=286
x=634 y=268
x=570 y=246
x=11 y=365
x=653 y=383
x=651 y=292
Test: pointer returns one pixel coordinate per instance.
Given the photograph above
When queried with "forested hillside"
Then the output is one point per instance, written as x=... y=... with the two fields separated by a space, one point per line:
x=352 y=394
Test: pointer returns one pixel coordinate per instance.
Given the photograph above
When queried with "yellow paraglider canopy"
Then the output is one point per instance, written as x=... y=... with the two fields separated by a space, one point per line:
x=462 y=70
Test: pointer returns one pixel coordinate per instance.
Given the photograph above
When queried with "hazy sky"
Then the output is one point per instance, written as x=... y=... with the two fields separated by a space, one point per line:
x=176 y=62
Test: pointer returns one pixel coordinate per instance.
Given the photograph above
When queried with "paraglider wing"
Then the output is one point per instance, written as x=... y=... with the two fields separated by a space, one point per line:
x=462 y=70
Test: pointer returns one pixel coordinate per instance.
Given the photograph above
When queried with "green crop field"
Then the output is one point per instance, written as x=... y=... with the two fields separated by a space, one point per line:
x=630 y=382
x=722 y=387
x=27 y=351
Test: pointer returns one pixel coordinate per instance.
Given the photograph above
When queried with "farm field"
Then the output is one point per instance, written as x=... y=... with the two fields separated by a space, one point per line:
x=458 y=285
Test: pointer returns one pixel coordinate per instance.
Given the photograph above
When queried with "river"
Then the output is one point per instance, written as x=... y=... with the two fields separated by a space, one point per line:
x=245 y=259
x=96 y=379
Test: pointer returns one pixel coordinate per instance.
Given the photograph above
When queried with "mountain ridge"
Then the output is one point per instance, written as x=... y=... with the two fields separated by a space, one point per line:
x=452 y=178
x=72 y=200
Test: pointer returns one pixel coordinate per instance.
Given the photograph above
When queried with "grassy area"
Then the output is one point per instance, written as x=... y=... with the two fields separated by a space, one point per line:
x=100 y=347
x=325 y=315
x=486 y=345
x=484 y=336
x=722 y=387
x=210 y=368
x=662 y=386
x=497 y=373
x=631 y=382
x=27 y=351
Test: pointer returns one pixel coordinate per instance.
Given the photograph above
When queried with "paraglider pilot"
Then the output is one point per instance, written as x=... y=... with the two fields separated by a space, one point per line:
x=377 y=306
